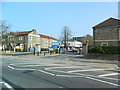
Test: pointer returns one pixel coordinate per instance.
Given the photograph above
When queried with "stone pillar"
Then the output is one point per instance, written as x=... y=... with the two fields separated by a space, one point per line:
x=85 y=49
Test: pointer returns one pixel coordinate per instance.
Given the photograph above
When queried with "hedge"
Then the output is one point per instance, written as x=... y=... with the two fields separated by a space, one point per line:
x=105 y=50
x=44 y=49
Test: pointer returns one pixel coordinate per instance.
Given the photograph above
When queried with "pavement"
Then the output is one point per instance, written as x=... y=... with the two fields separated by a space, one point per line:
x=81 y=59
x=23 y=53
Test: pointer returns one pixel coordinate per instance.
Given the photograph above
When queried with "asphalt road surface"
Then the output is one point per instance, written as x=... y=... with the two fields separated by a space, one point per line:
x=57 y=71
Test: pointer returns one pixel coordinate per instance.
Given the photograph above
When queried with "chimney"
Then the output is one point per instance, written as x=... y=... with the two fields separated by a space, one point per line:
x=33 y=30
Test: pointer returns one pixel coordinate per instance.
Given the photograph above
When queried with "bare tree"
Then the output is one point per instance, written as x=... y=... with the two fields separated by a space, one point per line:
x=4 y=28
x=66 y=35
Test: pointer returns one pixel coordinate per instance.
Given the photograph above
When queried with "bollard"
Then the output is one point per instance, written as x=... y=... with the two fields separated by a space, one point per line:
x=44 y=53
x=38 y=53
x=50 y=52
x=34 y=51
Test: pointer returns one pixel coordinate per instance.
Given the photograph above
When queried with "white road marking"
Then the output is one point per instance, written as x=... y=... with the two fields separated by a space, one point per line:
x=62 y=67
x=8 y=86
x=11 y=64
x=11 y=67
x=109 y=78
x=46 y=65
x=83 y=74
x=2 y=82
x=102 y=81
x=26 y=69
x=47 y=72
x=68 y=76
x=90 y=70
x=110 y=74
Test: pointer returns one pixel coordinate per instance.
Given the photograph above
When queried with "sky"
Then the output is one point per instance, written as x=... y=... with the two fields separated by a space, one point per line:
x=49 y=18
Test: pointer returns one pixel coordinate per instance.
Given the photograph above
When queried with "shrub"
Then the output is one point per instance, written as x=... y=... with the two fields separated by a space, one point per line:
x=44 y=49
x=105 y=50
x=24 y=50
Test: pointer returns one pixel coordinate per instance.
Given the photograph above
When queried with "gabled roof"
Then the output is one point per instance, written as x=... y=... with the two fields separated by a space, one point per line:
x=109 y=22
x=22 y=33
x=47 y=37
x=44 y=36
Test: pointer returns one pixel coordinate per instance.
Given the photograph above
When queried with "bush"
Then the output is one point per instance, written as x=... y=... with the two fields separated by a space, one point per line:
x=105 y=50
x=24 y=50
x=44 y=49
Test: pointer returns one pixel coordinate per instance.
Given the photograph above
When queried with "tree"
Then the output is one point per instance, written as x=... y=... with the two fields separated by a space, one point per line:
x=88 y=39
x=4 y=28
x=66 y=35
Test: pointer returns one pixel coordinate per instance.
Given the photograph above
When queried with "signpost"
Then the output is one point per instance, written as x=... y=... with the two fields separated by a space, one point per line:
x=55 y=44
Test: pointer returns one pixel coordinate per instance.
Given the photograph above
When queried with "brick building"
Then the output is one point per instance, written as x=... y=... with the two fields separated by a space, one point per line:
x=107 y=33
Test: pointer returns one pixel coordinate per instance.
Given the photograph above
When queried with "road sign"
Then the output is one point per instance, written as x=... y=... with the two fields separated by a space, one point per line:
x=55 y=44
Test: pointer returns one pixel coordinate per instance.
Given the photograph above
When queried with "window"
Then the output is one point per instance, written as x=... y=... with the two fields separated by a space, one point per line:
x=30 y=37
x=104 y=44
x=20 y=38
x=11 y=39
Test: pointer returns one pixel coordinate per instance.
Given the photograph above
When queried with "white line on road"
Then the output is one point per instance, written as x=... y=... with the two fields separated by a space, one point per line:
x=8 y=86
x=46 y=65
x=11 y=64
x=102 y=81
x=1 y=82
x=90 y=70
x=11 y=67
x=68 y=76
x=47 y=72
x=110 y=74
x=62 y=67
x=26 y=69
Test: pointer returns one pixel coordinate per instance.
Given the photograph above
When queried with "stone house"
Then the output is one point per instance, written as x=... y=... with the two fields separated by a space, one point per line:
x=46 y=41
x=107 y=33
x=21 y=40
x=25 y=41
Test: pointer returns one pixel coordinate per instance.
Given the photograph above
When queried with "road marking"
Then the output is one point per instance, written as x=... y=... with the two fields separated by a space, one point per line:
x=11 y=67
x=68 y=76
x=8 y=86
x=49 y=55
x=46 y=65
x=26 y=69
x=109 y=78
x=46 y=72
x=89 y=70
x=11 y=64
x=62 y=67
x=111 y=74
x=67 y=72
x=102 y=81
x=2 y=82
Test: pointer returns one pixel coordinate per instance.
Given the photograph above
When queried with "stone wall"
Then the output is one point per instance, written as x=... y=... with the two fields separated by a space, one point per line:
x=109 y=35
x=102 y=56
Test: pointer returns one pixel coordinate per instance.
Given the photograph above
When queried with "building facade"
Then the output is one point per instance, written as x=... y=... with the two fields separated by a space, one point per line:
x=87 y=39
x=72 y=44
x=107 y=33
x=25 y=41
x=46 y=41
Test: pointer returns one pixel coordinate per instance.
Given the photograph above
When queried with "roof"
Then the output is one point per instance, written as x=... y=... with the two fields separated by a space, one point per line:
x=109 y=22
x=27 y=32
x=22 y=33
x=47 y=37
x=43 y=36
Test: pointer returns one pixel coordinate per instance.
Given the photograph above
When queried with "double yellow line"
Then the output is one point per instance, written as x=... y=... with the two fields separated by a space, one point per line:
x=68 y=59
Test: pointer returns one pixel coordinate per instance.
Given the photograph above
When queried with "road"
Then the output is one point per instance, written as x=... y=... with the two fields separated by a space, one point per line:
x=57 y=71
